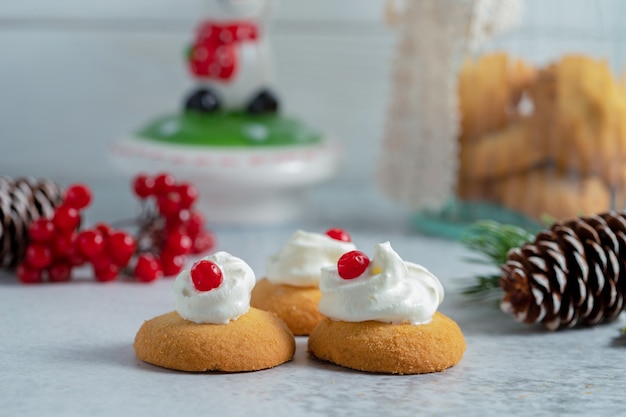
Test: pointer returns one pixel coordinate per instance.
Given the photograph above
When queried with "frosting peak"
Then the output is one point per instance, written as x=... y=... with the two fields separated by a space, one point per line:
x=390 y=290
x=220 y=305
x=300 y=261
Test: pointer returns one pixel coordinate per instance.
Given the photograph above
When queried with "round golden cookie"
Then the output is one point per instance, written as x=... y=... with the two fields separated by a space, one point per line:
x=373 y=346
x=296 y=306
x=257 y=340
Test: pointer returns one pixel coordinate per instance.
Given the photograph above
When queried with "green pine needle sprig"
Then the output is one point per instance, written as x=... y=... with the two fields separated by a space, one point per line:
x=492 y=240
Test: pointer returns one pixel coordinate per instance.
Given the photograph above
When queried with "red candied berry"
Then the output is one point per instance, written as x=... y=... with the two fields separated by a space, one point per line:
x=63 y=244
x=28 y=275
x=143 y=186
x=90 y=243
x=41 y=230
x=60 y=272
x=66 y=218
x=77 y=196
x=188 y=194
x=120 y=246
x=338 y=234
x=163 y=183
x=106 y=273
x=169 y=204
x=204 y=242
x=171 y=263
x=352 y=264
x=178 y=243
x=148 y=268
x=206 y=275
x=38 y=256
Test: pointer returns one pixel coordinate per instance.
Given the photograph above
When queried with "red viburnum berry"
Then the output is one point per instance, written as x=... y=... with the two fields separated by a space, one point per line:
x=104 y=229
x=38 y=256
x=178 y=243
x=106 y=272
x=66 y=218
x=41 y=230
x=206 y=275
x=203 y=242
x=352 y=264
x=63 y=244
x=172 y=263
x=147 y=268
x=143 y=186
x=169 y=204
x=77 y=196
x=60 y=272
x=163 y=184
x=120 y=246
x=90 y=243
x=28 y=275
x=188 y=194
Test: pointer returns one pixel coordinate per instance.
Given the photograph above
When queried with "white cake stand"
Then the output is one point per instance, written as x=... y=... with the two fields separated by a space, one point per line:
x=237 y=185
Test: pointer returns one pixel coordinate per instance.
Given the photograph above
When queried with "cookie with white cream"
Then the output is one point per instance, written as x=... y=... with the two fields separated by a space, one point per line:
x=381 y=316
x=213 y=327
x=290 y=288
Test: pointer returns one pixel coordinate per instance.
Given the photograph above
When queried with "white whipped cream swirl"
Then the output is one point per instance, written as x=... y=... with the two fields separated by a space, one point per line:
x=390 y=290
x=219 y=305
x=300 y=261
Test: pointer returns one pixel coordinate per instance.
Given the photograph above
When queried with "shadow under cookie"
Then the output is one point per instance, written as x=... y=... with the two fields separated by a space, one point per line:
x=257 y=340
x=374 y=346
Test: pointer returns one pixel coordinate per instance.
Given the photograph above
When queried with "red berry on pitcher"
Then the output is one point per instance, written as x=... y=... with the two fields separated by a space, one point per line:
x=148 y=268
x=90 y=243
x=41 y=230
x=77 y=196
x=66 y=218
x=28 y=275
x=338 y=234
x=206 y=275
x=38 y=256
x=143 y=186
x=352 y=264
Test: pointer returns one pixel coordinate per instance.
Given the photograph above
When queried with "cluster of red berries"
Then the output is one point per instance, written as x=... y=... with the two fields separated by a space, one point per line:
x=172 y=231
x=166 y=236
x=56 y=246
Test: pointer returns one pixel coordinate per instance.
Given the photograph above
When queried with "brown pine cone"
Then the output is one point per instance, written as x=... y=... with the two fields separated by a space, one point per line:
x=570 y=275
x=21 y=201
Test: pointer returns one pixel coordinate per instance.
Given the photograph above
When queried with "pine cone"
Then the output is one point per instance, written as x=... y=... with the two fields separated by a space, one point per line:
x=21 y=201
x=570 y=275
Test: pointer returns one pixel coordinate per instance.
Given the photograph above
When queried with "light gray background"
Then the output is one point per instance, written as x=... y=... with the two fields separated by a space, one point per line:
x=76 y=75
